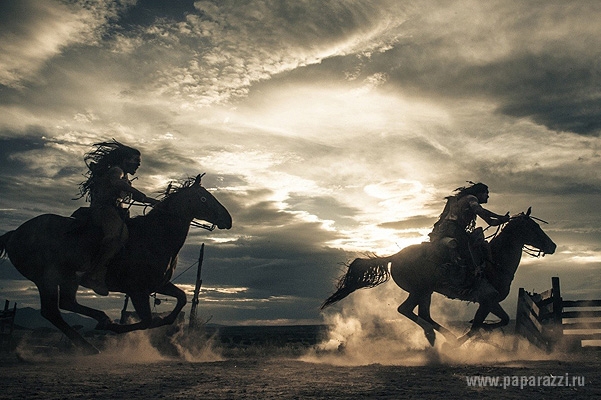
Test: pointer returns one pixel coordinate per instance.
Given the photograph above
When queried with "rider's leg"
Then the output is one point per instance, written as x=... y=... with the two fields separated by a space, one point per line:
x=477 y=250
x=114 y=236
x=452 y=246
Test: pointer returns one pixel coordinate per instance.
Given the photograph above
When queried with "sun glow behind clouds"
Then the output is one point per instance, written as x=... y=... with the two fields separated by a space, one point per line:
x=390 y=201
x=306 y=144
x=333 y=113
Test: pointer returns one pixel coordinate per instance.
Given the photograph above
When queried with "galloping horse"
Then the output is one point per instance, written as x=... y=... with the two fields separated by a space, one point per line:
x=51 y=251
x=417 y=269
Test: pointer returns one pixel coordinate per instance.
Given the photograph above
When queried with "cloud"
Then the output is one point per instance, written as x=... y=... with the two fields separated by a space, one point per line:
x=419 y=221
x=32 y=32
x=534 y=64
x=326 y=128
x=219 y=50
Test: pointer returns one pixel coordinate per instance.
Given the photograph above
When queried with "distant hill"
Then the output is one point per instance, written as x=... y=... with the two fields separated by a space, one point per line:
x=30 y=318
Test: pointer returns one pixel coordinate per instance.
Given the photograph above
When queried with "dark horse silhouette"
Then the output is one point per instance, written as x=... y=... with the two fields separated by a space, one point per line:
x=417 y=269
x=50 y=250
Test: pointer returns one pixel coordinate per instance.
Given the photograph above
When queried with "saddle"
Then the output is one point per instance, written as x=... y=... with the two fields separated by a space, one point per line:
x=82 y=218
x=82 y=215
x=460 y=279
x=89 y=233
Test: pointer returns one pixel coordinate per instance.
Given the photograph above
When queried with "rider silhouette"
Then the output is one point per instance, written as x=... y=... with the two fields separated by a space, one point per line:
x=107 y=188
x=456 y=226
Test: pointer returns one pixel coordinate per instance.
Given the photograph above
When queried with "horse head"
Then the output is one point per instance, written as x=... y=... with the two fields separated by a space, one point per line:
x=209 y=208
x=530 y=232
x=193 y=201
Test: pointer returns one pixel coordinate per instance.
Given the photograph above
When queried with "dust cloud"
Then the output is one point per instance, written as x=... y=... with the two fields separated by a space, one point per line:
x=365 y=328
x=137 y=347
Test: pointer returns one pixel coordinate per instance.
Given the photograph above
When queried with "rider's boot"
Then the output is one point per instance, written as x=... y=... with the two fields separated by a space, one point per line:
x=96 y=278
x=485 y=291
x=457 y=260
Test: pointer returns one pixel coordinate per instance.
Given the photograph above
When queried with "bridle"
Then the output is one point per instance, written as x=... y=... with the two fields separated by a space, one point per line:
x=196 y=224
x=208 y=227
x=531 y=251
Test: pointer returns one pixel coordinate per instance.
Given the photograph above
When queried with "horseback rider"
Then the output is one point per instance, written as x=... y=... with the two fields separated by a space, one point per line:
x=456 y=226
x=108 y=188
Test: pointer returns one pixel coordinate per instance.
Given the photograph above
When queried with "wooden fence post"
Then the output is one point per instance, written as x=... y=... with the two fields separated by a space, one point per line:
x=7 y=325
x=557 y=330
x=195 y=301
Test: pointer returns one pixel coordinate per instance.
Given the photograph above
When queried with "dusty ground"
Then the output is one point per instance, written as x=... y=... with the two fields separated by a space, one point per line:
x=132 y=367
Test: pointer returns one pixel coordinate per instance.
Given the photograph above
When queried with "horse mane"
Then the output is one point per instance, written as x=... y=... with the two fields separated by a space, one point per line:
x=172 y=188
x=510 y=224
x=177 y=185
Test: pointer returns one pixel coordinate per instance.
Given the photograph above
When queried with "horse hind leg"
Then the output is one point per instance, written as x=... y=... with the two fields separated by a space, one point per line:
x=406 y=309
x=68 y=302
x=49 y=300
x=424 y=313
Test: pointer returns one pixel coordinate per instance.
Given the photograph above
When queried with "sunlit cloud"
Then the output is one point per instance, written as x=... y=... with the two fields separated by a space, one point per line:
x=328 y=129
x=40 y=30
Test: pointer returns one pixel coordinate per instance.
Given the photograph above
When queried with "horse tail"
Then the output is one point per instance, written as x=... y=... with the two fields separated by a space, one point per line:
x=3 y=241
x=361 y=273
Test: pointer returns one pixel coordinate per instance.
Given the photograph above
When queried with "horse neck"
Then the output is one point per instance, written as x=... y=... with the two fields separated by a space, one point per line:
x=171 y=225
x=506 y=250
x=174 y=207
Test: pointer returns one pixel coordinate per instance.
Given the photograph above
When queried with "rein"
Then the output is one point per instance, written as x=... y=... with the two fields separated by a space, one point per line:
x=531 y=251
x=494 y=234
x=208 y=227
x=196 y=224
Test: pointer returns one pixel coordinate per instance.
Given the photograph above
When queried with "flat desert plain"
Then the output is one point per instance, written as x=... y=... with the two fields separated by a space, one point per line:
x=292 y=363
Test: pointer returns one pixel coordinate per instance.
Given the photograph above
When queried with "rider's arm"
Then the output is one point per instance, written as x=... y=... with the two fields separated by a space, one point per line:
x=119 y=181
x=490 y=217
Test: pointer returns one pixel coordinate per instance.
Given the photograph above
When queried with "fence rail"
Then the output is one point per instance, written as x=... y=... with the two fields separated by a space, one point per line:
x=547 y=320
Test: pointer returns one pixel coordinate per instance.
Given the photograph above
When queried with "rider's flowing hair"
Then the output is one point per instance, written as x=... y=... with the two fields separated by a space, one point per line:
x=103 y=157
x=474 y=189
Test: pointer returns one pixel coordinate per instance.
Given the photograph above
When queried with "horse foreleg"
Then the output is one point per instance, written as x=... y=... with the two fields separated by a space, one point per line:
x=49 y=300
x=68 y=301
x=477 y=323
x=142 y=306
x=497 y=310
x=169 y=289
x=406 y=309
x=424 y=313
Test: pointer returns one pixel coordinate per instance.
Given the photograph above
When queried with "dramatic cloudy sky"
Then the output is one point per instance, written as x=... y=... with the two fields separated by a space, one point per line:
x=327 y=128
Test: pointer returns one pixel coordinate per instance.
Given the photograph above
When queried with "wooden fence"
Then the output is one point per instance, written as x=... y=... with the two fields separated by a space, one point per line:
x=549 y=321
x=7 y=325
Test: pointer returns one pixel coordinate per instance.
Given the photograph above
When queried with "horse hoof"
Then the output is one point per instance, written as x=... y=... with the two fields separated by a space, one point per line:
x=103 y=325
x=91 y=351
x=87 y=349
x=431 y=336
x=451 y=343
x=448 y=347
x=462 y=339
